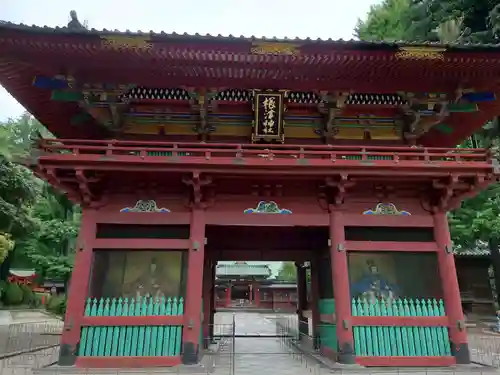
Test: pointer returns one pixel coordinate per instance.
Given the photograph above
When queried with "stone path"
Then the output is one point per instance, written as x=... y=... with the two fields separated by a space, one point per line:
x=265 y=355
x=257 y=355
x=29 y=330
x=252 y=355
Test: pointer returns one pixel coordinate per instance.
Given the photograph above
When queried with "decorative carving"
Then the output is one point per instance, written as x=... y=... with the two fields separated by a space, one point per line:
x=268 y=121
x=126 y=42
x=386 y=209
x=75 y=24
x=275 y=49
x=421 y=53
x=200 y=194
x=145 y=206
x=267 y=207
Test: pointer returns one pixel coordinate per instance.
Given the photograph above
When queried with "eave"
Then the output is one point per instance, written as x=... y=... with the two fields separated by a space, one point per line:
x=195 y=61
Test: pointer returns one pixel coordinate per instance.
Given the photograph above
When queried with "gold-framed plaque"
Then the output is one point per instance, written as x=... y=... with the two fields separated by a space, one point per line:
x=268 y=110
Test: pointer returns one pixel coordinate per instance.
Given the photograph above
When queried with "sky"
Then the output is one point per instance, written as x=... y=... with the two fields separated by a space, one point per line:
x=291 y=18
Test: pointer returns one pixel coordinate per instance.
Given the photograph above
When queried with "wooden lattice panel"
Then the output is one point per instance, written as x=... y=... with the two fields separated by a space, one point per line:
x=154 y=93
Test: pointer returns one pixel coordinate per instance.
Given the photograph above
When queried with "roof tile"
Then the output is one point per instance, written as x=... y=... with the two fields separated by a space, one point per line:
x=230 y=37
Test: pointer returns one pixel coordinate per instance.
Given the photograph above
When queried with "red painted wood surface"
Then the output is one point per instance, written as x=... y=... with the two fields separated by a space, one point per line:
x=193 y=61
x=391 y=246
x=194 y=285
x=140 y=243
x=449 y=281
x=80 y=279
x=416 y=221
x=170 y=320
x=126 y=362
x=403 y=321
x=158 y=218
x=405 y=361
x=340 y=279
x=273 y=155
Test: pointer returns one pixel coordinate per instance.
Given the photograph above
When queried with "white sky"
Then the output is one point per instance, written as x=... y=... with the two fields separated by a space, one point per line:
x=320 y=18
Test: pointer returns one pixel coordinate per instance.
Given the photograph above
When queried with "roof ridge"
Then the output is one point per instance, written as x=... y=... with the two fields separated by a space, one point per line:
x=230 y=37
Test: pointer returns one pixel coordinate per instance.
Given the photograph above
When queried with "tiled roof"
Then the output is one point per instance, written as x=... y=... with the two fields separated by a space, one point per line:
x=242 y=269
x=279 y=286
x=252 y=38
x=481 y=249
x=22 y=272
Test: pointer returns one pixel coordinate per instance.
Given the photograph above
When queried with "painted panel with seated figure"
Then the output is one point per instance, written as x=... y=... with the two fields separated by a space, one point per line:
x=390 y=275
x=135 y=274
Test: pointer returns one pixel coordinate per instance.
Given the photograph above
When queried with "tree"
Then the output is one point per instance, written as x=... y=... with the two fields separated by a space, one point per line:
x=38 y=222
x=388 y=21
x=478 y=219
x=447 y=21
x=287 y=272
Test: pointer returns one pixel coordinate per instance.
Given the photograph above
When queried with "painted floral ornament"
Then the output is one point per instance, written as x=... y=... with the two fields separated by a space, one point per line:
x=386 y=209
x=145 y=206
x=267 y=207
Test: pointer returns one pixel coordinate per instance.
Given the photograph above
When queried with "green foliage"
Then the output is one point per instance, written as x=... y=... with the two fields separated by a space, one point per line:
x=57 y=304
x=42 y=221
x=287 y=272
x=388 y=21
x=6 y=245
x=3 y=288
x=13 y=295
x=28 y=294
x=447 y=21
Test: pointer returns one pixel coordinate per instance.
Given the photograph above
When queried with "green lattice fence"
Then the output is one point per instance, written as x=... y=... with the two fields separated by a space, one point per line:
x=400 y=340
x=132 y=341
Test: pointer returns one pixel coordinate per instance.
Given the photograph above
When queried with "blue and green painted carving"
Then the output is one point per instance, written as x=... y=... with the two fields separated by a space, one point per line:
x=412 y=341
x=132 y=341
x=66 y=96
x=444 y=128
x=462 y=107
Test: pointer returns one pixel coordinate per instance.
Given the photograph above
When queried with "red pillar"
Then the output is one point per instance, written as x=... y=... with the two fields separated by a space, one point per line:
x=315 y=300
x=256 y=289
x=228 y=295
x=193 y=308
x=78 y=290
x=451 y=291
x=341 y=294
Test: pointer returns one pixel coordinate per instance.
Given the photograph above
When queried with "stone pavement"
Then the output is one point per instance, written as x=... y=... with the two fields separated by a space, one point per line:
x=254 y=355
x=265 y=355
x=28 y=330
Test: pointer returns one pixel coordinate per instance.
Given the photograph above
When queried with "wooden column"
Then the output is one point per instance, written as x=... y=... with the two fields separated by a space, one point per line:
x=228 y=295
x=315 y=317
x=301 y=290
x=340 y=280
x=256 y=289
x=207 y=274
x=451 y=291
x=301 y=298
x=213 y=293
x=193 y=308
x=78 y=290
x=250 y=293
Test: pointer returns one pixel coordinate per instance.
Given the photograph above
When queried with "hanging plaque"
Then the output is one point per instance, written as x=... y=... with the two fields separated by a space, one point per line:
x=268 y=122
